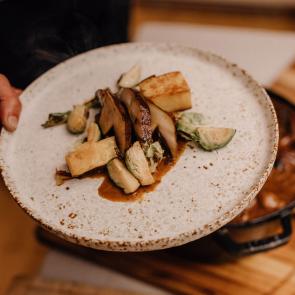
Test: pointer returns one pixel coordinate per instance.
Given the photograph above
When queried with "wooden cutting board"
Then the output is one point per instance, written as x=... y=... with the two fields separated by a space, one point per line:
x=266 y=273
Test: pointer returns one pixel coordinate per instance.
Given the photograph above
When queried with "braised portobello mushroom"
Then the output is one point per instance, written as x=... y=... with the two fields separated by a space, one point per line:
x=166 y=127
x=139 y=113
x=113 y=114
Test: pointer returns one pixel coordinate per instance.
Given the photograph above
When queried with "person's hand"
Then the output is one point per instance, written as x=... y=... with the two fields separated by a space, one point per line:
x=10 y=106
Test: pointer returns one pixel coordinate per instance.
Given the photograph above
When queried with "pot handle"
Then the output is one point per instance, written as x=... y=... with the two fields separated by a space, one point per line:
x=223 y=238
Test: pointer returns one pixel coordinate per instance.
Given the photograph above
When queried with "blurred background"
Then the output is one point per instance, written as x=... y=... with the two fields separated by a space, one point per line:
x=259 y=36
x=267 y=14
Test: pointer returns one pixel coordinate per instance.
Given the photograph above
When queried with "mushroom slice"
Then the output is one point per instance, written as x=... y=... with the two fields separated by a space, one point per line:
x=166 y=127
x=113 y=114
x=139 y=113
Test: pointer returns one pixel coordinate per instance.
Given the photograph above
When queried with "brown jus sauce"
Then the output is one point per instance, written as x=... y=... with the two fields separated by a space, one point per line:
x=110 y=191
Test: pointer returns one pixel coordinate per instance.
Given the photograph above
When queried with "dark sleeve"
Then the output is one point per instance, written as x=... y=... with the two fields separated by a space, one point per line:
x=36 y=35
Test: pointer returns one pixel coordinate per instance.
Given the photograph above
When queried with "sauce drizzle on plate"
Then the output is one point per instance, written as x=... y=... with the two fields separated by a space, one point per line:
x=110 y=191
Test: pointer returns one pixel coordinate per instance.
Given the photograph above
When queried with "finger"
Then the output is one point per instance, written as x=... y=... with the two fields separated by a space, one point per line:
x=5 y=87
x=10 y=105
x=10 y=108
x=17 y=91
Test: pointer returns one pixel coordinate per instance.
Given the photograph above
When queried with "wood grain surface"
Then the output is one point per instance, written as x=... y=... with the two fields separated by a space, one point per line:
x=147 y=11
x=40 y=286
x=271 y=272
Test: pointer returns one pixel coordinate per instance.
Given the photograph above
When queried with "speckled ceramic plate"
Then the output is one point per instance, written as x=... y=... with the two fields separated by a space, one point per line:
x=204 y=191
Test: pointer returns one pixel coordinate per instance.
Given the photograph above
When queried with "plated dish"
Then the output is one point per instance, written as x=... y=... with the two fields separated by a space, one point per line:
x=192 y=200
x=137 y=135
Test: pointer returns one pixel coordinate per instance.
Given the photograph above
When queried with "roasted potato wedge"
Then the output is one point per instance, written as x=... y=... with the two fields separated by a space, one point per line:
x=170 y=92
x=90 y=155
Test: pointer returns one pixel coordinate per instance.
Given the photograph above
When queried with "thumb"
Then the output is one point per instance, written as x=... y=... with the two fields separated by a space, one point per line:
x=10 y=105
x=17 y=91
